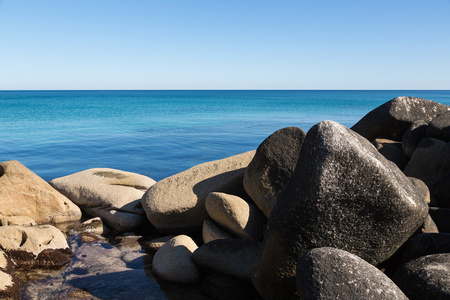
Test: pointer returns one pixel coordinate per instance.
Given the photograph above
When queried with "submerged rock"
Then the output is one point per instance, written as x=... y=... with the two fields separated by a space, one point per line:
x=177 y=203
x=330 y=273
x=272 y=166
x=343 y=194
x=24 y=194
x=35 y=247
x=392 y=119
x=110 y=194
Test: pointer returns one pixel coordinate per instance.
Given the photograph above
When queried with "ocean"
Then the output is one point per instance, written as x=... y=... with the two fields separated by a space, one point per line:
x=161 y=133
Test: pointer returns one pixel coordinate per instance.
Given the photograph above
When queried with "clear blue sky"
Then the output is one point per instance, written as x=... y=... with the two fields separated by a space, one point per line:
x=224 y=44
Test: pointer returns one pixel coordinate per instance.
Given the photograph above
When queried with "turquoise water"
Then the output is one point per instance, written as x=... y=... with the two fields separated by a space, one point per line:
x=160 y=133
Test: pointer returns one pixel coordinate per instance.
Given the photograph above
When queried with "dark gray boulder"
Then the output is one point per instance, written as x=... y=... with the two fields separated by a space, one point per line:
x=272 y=166
x=423 y=163
x=439 y=127
x=427 y=277
x=425 y=244
x=393 y=118
x=330 y=273
x=393 y=151
x=422 y=188
x=233 y=257
x=428 y=226
x=441 y=217
x=413 y=135
x=343 y=194
x=224 y=287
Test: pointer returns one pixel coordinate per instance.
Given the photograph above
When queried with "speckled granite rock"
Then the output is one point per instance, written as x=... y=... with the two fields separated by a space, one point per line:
x=343 y=194
x=330 y=273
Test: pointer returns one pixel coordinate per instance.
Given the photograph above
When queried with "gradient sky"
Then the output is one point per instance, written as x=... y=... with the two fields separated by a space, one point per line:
x=224 y=44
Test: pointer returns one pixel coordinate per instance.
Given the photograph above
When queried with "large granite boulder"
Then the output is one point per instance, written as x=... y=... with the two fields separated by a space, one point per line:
x=343 y=194
x=439 y=127
x=413 y=135
x=173 y=261
x=235 y=214
x=426 y=277
x=392 y=119
x=425 y=244
x=224 y=287
x=392 y=150
x=23 y=193
x=177 y=203
x=233 y=257
x=330 y=273
x=113 y=195
x=41 y=246
x=272 y=166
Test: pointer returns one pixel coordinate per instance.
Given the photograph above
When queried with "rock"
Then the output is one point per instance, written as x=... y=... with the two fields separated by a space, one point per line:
x=228 y=256
x=429 y=226
x=272 y=166
x=232 y=212
x=211 y=232
x=224 y=287
x=426 y=277
x=423 y=163
x=6 y=264
x=23 y=193
x=177 y=203
x=440 y=217
x=425 y=244
x=17 y=220
x=110 y=194
x=393 y=118
x=173 y=261
x=439 y=127
x=343 y=194
x=10 y=286
x=393 y=151
x=422 y=188
x=41 y=246
x=94 y=225
x=416 y=132
x=155 y=244
x=330 y=273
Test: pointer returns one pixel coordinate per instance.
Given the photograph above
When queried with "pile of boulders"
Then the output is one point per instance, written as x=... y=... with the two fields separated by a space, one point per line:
x=333 y=213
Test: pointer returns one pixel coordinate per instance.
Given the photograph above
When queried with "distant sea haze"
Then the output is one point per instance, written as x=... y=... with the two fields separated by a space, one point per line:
x=160 y=133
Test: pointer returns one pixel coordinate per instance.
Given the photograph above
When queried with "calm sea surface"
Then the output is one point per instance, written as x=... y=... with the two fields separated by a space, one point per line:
x=160 y=133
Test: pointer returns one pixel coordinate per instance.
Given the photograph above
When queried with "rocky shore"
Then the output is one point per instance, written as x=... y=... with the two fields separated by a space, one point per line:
x=348 y=213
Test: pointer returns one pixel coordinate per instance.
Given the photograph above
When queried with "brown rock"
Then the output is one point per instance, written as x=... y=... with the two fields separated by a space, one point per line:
x=211 y=232
x=23 y=193
x=177 y=203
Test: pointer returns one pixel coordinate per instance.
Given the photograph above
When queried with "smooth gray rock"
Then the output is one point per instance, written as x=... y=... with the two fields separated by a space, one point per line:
x=441 y=217
x=392 y=119
x=416 y=132
x=211 y=232
x=439 y=127
x=235 y=214
x=272 y=166
x=422 y=188
x=173 y=261
x=393 y=151
x=427 y=277
x=177 y=203
x=425 y=244
x=113 y=195
x=233 y=257
x=343 y=194
x=330 y=273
